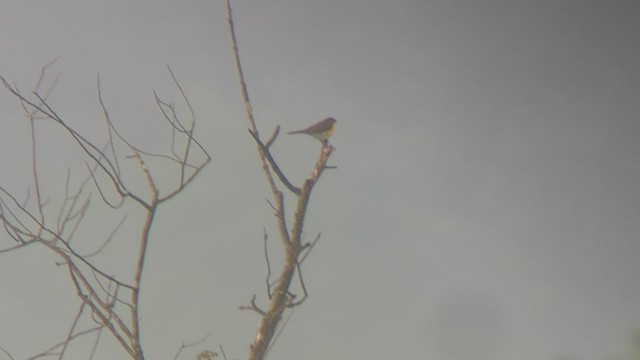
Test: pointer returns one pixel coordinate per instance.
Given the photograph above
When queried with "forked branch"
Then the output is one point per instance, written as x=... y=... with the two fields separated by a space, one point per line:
x=114 y=304
x=280 y=296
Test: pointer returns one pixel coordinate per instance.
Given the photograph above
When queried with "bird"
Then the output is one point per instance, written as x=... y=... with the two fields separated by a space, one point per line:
x=321 y=130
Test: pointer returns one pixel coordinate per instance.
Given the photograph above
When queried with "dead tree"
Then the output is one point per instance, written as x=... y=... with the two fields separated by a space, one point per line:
x=108 y=304
x=280 y=295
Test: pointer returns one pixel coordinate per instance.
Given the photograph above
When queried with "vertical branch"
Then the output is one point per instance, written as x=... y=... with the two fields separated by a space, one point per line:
x=281 y=298
x=247 y=104
x=243 y=84
x=34 y=167
x=31 y=115
x=142 y=252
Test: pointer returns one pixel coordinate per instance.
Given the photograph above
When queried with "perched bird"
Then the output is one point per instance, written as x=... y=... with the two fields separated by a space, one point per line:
x=321 y=130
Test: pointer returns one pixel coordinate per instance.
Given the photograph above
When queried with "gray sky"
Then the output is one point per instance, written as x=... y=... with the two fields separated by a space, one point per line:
x=486 y=203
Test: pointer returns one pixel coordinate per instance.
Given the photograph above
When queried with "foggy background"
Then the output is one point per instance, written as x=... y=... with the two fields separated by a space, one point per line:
x=485 y=205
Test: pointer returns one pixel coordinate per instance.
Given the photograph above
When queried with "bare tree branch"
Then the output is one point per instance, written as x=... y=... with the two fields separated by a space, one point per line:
x=6 y=352
x=267 y=154
x=281 y=297
x=266 y=257
x=27 y=224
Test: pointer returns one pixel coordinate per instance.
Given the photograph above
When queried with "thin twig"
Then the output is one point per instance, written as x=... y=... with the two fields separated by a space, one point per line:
x=302 y=285
x=71 y=330
x=253 y=307
x=224 y=356
x=108 y=239
x=188 y=345
x=266 y=257
x=267 y=154
x=308 y=248
x=6 y=352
